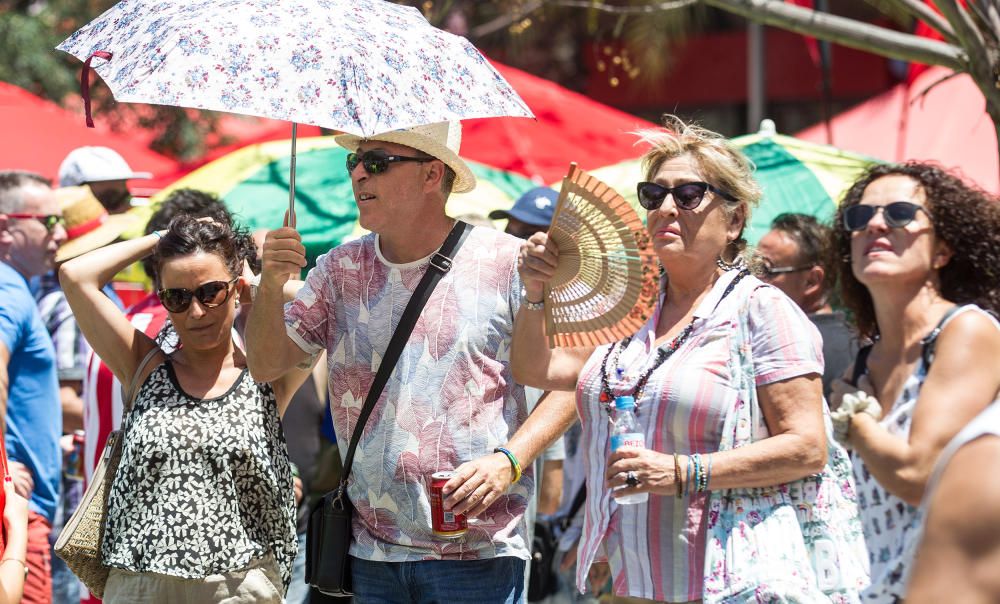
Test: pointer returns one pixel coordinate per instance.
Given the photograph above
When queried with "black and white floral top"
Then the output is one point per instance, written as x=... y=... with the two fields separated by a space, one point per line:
x=204 y=485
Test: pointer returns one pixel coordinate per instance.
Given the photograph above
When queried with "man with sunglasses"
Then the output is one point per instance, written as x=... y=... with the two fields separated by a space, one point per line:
x=31 y=232
x=792 y=257
x=451 y=402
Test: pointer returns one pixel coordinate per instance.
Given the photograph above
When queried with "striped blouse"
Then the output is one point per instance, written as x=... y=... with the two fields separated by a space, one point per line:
x=656 y=549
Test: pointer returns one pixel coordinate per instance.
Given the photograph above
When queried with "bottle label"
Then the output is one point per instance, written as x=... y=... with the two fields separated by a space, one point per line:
x=632 y=439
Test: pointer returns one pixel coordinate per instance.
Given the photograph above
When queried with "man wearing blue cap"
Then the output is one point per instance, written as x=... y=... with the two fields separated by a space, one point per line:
x=532 y=212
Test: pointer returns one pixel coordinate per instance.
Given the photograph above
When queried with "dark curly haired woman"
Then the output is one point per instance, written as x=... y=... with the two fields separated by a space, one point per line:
x=201 y=507
x=919 y=257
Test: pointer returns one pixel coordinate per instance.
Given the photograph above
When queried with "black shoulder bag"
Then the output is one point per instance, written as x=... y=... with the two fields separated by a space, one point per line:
x=328 y=540
x=542 y=578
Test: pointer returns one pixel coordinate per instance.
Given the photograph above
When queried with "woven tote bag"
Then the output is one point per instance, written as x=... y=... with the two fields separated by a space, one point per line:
x=79 y=543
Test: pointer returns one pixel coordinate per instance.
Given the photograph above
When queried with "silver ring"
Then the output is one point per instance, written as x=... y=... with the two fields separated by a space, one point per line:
x=630 y=479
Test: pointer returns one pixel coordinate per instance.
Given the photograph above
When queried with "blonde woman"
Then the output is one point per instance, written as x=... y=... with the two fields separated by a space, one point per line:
x=682 y=371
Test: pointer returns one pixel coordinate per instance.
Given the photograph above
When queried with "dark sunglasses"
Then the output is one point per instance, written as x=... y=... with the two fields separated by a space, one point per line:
x=897 y=214
x=769 y=272
x=687 y=196
x=210 y=295
x=377 y=162
x=49 y=221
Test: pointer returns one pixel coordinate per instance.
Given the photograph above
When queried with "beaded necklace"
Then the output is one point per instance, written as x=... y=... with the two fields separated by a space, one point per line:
x=662 y=354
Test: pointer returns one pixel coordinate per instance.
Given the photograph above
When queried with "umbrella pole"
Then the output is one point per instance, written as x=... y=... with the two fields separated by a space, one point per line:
x=291 y=181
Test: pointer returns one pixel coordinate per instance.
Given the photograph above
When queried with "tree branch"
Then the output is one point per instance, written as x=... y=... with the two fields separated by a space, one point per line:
x=964 y=26
x=847 y=32
x=642 y=9
x=919 y=10
x=504 y=21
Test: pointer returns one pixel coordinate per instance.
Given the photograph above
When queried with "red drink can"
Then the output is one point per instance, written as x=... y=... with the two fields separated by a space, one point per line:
x=445 y=524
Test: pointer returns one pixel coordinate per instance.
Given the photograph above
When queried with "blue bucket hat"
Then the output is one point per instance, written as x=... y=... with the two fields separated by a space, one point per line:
x=534 y=207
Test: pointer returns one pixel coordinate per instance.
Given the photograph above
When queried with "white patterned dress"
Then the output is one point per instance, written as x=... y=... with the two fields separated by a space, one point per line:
x=892 y=525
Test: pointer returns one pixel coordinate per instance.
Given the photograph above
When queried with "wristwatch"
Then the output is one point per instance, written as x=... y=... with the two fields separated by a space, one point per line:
x=530 y=304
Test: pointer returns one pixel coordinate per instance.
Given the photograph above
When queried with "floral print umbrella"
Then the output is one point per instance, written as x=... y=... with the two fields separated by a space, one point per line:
x=359 y=66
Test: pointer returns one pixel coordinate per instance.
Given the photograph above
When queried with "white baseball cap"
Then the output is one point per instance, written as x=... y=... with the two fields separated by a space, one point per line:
x=95 y=164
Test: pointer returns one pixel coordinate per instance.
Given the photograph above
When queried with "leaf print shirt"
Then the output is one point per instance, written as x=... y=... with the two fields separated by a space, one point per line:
x=204 y=486
x=450 y=399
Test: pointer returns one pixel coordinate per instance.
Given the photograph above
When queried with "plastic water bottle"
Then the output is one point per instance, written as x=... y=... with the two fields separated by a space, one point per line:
x=626 y=433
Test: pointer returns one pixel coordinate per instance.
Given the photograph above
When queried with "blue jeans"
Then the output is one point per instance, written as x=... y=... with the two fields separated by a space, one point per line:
x=298 y=591
x=493 y=581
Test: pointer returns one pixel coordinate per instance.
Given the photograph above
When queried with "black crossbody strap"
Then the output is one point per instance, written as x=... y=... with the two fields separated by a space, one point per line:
x=581 y=496
x=439 y=265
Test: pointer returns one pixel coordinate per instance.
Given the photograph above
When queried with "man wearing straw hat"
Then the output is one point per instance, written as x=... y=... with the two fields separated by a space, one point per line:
x=88 y=227
x=451 y=400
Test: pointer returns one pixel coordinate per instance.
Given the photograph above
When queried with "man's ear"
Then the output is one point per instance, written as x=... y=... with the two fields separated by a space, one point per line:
x=5 y=236
x=814 y=279
x=434 y=175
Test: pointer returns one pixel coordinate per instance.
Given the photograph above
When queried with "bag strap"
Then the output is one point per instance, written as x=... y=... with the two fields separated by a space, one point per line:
x=581 y=496
x=439 y=265
x=929 y=342
x=861 y=363
x=129 y=393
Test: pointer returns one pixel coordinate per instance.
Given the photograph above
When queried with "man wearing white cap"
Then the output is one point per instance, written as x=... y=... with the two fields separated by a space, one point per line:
x=105 y=172
x=451 y=400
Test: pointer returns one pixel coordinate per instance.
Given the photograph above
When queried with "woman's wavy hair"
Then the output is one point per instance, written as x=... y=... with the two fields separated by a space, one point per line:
x=188 y=235
x=722 y=164
x=965 y=217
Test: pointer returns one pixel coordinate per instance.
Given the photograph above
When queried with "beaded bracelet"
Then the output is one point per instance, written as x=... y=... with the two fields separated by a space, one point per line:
x=696 y=472
x=687 y=481
x=513 y=463
x=708 y=473
x=531 y=305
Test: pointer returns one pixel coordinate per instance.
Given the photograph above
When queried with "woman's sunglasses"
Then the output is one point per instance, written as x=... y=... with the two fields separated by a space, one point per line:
x=49 y=221
x=897 y=214
x=377 y=162
x=687 y=196
x=210 y=295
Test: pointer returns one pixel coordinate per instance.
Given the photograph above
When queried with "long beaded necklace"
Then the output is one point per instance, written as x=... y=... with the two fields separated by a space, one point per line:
x=662 y=354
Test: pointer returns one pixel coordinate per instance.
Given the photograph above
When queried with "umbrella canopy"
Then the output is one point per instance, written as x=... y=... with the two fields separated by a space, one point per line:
x=359 y=66
x=38 y=134
x=253 y=182
x=796 y=176
x=929 y=119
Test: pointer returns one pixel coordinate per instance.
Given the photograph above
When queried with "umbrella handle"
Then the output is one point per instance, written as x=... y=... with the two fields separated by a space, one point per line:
x=290 y=219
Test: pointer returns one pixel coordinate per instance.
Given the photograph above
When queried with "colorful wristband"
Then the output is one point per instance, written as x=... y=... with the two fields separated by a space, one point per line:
x=513 y=463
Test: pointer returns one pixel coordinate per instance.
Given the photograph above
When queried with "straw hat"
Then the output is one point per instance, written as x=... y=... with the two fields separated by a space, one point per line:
x=88 y=224
x=441 y=141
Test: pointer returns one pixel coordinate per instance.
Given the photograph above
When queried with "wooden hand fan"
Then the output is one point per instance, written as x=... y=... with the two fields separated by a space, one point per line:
x=606 y=283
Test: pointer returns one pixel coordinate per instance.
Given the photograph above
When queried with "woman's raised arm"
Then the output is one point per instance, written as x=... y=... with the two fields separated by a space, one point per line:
x=532 y=361
x=112 y=336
